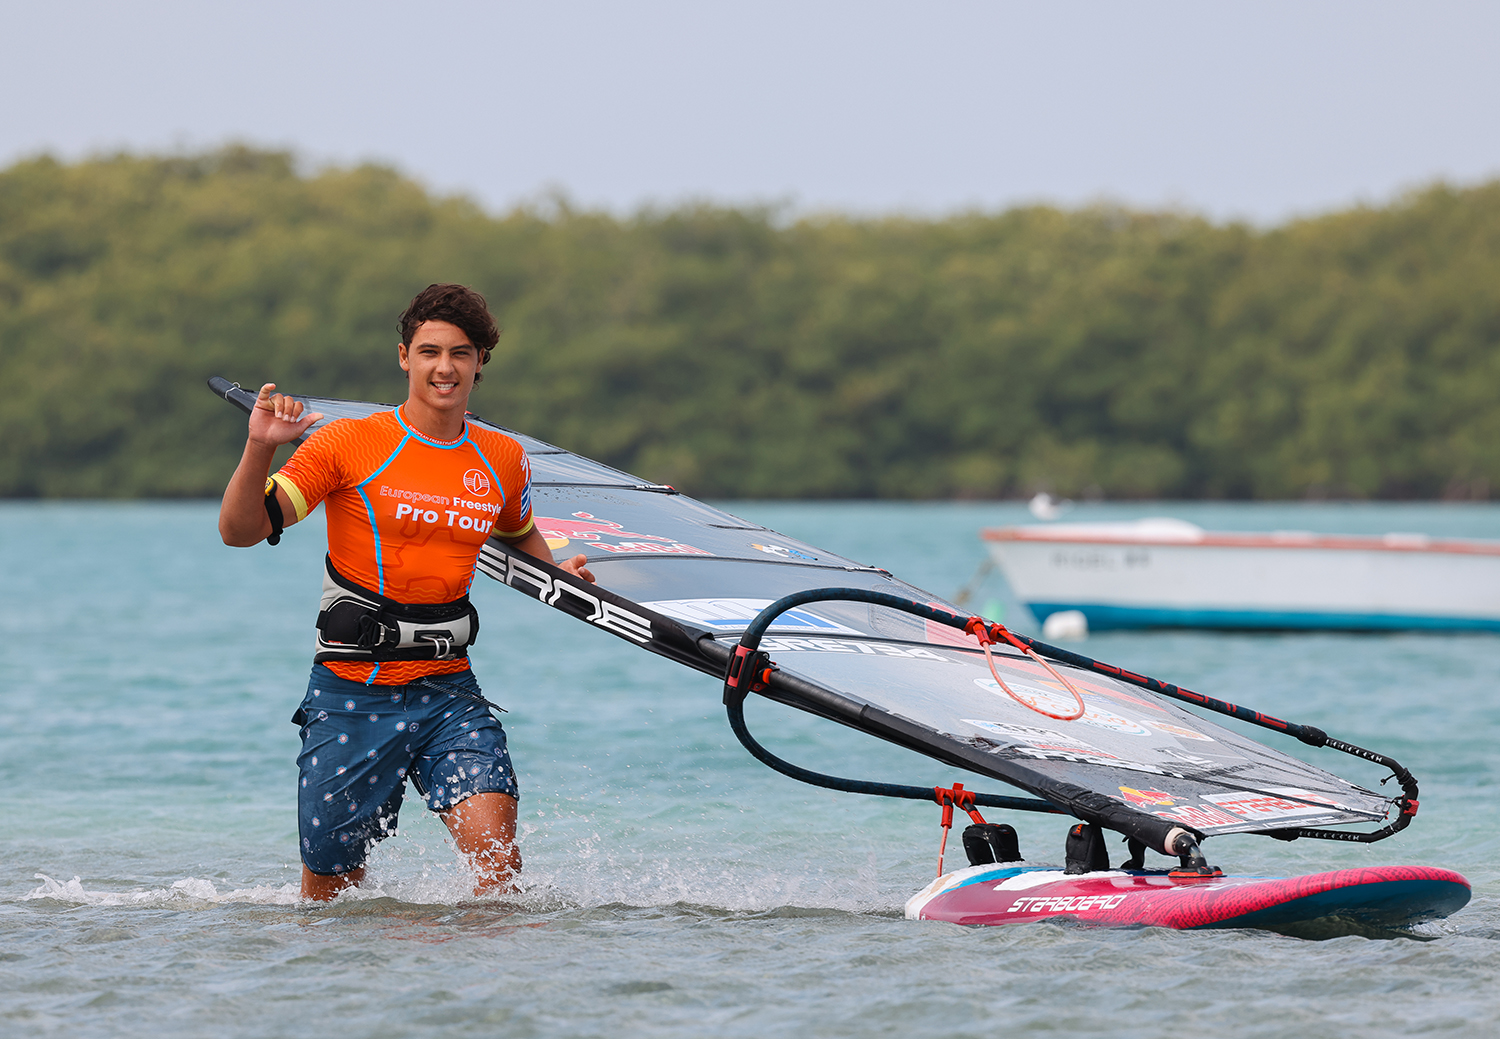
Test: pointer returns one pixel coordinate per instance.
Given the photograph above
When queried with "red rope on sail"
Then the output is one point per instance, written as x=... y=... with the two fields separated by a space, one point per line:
x=987 y=634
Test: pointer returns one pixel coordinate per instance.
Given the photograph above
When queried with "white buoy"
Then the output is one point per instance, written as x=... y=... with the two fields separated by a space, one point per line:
x=1045 y=507
x=1065 y=626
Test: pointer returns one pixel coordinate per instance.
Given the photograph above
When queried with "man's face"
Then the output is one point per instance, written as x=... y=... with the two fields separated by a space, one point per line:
x=440 y=363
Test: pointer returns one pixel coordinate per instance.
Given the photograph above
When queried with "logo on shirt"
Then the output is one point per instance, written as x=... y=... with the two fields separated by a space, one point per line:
x=477 y=482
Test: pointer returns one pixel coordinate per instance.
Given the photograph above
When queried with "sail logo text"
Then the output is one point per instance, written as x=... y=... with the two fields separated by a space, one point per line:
x=1262 y=806
x=1065 y=903
x=535 y=581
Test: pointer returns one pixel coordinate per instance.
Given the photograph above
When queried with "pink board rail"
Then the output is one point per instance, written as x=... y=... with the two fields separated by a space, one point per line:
x=1377 y=896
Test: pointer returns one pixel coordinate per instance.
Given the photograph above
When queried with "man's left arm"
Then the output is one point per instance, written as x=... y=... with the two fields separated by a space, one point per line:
x=535 y=545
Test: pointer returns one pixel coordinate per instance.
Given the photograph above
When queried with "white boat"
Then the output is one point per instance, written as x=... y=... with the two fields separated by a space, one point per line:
x=1167 y=573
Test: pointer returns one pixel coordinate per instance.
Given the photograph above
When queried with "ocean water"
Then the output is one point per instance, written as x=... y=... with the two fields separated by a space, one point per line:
x=674 y=886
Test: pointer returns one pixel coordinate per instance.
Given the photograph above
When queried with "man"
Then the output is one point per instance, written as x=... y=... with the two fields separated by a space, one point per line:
x=412 y=494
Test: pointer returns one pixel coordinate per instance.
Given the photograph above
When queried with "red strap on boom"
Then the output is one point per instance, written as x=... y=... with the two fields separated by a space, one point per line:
x=948 y=797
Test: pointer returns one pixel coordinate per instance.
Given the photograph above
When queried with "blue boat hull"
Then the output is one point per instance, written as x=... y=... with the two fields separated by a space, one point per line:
x=1103 y=618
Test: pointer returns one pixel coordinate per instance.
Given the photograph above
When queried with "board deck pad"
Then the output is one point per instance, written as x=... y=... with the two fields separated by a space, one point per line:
x=1390 y=897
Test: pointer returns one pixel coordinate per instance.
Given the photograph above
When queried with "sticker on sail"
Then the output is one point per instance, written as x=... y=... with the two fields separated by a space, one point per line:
x=782 y=551
x=1255 y=805
x=1030 y=735
x=1114 y=722
x=787 y=644
x=1042 y=744
x=608 y=536
x=1130 y=795
x=1201 y=816
x=1056 y=701
x=736 y=615
x=1088 y=757
x=1178 y=730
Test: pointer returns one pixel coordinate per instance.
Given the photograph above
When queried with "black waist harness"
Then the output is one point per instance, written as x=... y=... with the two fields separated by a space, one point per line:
x=358 y=624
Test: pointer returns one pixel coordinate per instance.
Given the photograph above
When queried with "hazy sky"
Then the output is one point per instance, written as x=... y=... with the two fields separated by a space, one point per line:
x=1259 y=109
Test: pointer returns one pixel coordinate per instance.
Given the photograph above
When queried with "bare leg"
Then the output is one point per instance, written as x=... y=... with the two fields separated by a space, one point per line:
x=484 y=828
x=321 y=888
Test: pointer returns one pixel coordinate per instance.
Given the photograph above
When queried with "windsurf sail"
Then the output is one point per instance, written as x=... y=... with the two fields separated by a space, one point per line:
x=688 y=581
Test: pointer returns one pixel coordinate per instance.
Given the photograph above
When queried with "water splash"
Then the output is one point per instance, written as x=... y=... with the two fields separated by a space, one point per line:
x=185 y=892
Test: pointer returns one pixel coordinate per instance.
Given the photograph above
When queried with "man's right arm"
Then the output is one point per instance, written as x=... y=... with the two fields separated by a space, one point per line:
x=275 y=420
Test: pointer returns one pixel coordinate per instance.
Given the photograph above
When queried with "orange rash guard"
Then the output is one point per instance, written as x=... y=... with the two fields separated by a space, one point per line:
x=407 y=514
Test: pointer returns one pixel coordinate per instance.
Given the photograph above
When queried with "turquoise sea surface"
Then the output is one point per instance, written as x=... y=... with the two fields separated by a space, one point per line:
x=673 y=885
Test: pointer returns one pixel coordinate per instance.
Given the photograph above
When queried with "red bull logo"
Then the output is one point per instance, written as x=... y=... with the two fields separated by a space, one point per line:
x=1145 y=797
x=609 y=537
x=584 y=526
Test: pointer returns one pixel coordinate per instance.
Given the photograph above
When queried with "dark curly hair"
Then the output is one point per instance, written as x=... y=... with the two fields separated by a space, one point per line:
x=458 y=305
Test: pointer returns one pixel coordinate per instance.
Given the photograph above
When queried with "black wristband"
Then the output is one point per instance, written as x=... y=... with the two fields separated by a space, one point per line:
x=273 y=509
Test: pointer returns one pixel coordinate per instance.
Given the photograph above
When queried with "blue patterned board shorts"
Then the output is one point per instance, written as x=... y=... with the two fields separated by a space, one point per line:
x=361 y=743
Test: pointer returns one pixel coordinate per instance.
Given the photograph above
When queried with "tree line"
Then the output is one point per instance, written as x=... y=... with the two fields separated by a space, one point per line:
x=740 y=352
